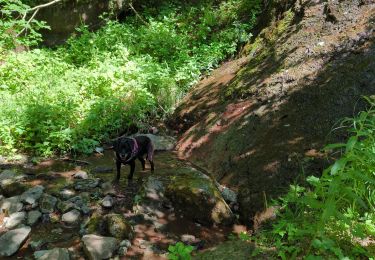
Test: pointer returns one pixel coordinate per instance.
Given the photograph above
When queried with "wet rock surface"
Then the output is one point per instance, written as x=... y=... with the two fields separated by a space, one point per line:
x=15 y=220
x=53 y=254
x=11 y=241
x=11 y=205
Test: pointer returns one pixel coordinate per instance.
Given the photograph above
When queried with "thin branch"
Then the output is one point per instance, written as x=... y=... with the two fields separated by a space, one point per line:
x=36 y=10
x=138 y=15
x=28 y=22
x=44 y=5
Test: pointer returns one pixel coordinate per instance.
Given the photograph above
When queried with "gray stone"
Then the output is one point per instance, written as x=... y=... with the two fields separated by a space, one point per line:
x=85 y=209
x=86 y=184
x=107 y=188
x=37 y=244
x=125 y=243
x=11 y=241
x=122 y=250
x=55 y=254
x=15 y=219
x=102 y=169
x=80 y=203
x=32 y=195
x=81 y=175
x=47 y=203
x=72 y=217
x=99 y=149
x=98 y=247
x=9 y=174
x=228 y=195
x=107 y=202
x=11 y=205
x=63 y=206
x=33 y=217
x=67 y=194
x=11 y=183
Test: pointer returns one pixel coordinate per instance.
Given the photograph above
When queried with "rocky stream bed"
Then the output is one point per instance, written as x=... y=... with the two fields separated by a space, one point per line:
x=59 y=209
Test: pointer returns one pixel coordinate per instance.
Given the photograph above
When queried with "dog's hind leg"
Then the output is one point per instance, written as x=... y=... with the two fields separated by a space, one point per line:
x=152 y=166
x=132 y=168
x=142 y=162
x=118 y=168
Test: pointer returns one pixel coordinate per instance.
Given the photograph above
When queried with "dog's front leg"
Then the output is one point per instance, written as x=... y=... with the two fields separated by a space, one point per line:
x=118 y=168
x=152 y=166
x=142 y=162
x=132 y=168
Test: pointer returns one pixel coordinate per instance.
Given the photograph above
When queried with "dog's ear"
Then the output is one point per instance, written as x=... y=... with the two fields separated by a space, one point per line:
x=115 y=144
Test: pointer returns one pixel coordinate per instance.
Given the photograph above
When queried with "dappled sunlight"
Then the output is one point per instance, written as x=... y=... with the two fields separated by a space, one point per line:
x=278 y=104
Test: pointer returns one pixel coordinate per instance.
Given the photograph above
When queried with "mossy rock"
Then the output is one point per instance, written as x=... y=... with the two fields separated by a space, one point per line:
x=117 y=226
x=237 y=249
x=95 y=224
x=196 y=196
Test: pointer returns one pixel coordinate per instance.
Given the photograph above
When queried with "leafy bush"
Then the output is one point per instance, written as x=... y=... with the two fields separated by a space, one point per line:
x=70 y=98
x=335 y=215
x=15 y=29
x=180 y=251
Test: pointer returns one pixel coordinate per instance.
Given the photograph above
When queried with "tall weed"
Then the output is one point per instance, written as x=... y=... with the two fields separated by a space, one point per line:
x=334 y=217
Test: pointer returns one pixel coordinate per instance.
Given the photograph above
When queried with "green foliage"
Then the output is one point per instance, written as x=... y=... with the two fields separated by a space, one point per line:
x=15 y=29
x=99 y=83
x=333 y=216
x=180 y=251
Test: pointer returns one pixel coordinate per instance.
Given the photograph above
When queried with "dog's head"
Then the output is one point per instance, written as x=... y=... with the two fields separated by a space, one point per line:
x=123 y=147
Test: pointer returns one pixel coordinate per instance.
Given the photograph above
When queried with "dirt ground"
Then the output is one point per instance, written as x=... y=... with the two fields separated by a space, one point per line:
x=258 y=122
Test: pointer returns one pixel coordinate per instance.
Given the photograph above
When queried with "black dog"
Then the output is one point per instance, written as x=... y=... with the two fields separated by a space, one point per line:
x=128 y=149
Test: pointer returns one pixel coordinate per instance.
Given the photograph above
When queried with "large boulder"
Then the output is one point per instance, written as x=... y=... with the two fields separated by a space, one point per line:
x=189 y=192
x=117 y=226
x=98 y=247
x=55 y=254
x=11 y=241
x=196 y=196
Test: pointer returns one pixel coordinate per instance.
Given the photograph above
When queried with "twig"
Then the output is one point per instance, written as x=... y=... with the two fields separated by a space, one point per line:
x=137 y=14
x=43 y=5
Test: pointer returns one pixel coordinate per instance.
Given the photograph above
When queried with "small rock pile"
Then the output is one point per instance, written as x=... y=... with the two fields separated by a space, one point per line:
x=70 y=207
